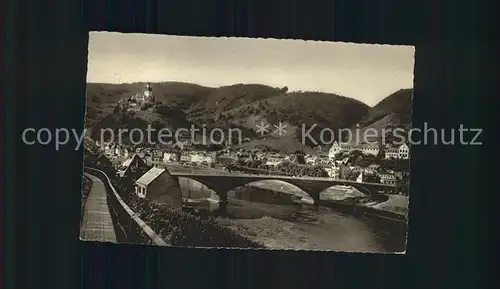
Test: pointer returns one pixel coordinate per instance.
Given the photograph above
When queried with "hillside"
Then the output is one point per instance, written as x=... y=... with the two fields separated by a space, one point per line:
x=301 y=110
x=239 y=106
x=102 y=98
x=229 y=97
x=394 y=111
x=397 y=105
x=163 y=117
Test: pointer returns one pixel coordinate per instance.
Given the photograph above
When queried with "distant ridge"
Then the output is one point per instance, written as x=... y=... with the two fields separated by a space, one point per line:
x=245 y=105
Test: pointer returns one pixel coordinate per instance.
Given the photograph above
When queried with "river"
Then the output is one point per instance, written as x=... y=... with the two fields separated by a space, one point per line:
x=301 y=226
x=267 y=213
x=293 y=227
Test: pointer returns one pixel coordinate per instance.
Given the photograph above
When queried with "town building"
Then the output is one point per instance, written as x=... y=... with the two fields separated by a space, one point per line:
x=274 y=160
x=132 y=167
x=368 y=149
x=387 y=179
x=185 y=157
x=360 y=177
x=103 y=162
x=334 y=172
x=227 y=158
x=343 y=161
x=372 y=169
x=291 y=158
x=169 y=157
x=203 y=158
x=324 y=160
x=109 y=150
x=401 y=152
x=312 y=160
x=158 y=185
x=118 y=151
x=391 y=153
x=404 y=151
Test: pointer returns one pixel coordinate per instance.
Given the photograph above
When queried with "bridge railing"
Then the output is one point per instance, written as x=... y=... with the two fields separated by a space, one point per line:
x=258 y=171
x=128 y=221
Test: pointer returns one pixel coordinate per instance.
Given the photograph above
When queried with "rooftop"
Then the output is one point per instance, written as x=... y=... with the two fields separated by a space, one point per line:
x=150 y=176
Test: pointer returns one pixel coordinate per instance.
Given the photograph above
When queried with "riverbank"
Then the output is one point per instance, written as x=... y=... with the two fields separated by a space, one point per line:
x=395 y=204
x=307 y=228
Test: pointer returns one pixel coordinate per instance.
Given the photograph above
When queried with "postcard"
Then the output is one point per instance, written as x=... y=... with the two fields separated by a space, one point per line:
x=217 y=142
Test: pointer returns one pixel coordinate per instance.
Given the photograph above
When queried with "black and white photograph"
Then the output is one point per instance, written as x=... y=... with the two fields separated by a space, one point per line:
x=249 y=143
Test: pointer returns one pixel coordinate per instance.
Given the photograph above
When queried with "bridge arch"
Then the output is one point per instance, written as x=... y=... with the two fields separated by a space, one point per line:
x=279 y=186
x=360 y=189
x=311 y=187
x=185 y=182
x=221 y=188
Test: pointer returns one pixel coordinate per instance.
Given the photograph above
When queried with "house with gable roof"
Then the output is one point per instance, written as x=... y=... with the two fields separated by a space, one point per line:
x=132 y=167
x=158 y=185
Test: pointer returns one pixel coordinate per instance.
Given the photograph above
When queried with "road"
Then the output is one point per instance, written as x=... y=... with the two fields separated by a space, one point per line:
x=97 y=224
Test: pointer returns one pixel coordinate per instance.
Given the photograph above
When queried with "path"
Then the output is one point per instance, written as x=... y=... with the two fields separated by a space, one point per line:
x=97 y=224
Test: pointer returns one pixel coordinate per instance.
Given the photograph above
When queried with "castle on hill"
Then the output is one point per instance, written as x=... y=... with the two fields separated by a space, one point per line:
x=146 y=97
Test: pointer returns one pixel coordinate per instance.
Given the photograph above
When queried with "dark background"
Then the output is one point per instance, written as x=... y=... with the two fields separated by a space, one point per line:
x=45 y=50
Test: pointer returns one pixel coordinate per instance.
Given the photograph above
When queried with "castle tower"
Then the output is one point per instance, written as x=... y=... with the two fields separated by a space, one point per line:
x=148 y=93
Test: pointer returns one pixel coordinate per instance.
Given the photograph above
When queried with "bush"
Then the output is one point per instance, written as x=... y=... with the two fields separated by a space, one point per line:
x=179 y=228
x=87 y=185
x=301 y=170
x=176 y=227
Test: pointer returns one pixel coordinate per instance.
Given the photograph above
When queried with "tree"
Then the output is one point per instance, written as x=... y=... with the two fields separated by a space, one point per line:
x=370 y=178
x=339 y=155
x=403 y=185
x=351 y=174
x=356 y=153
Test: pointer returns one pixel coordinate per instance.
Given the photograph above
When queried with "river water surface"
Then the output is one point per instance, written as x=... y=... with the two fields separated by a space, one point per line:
x=303 y=227
x=266 y=215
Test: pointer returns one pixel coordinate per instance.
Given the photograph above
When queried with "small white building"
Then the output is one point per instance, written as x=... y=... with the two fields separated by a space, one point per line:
x=168 y=157
x=404 y=151
x=274 y=160
x=108 y=150
x=367 y=149
x=387 y=179
x=360 y=178
x=372 y=169
x=343 y=161
x=132 y=166
x=186 y=157
x=334 y=150
x=334 y=172
x=203 y=158
x=401 y=152
x=370 y=149
x=391 y=153
x=311 y=160
x=324 y=160
x=158 y=185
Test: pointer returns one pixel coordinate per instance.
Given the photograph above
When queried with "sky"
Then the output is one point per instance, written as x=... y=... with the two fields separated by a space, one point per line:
x=365 y=72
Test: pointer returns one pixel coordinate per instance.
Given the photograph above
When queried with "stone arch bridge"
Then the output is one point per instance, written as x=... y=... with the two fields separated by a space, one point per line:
x=221 y=184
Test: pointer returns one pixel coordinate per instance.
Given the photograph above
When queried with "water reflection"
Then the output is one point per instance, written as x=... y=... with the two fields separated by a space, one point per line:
x=282 y=219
